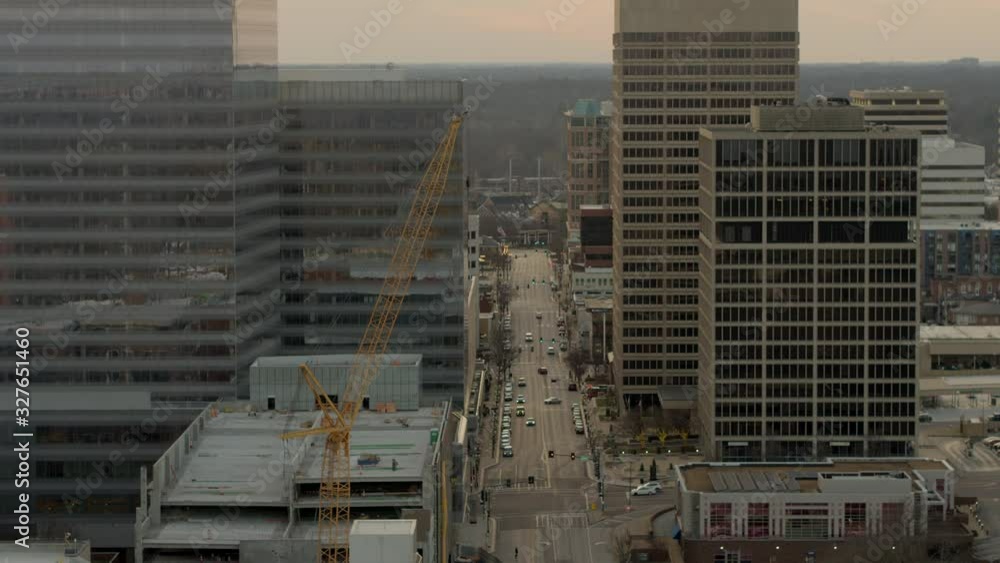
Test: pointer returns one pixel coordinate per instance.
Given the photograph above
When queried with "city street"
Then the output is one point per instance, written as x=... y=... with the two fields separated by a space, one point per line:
x=559 y=518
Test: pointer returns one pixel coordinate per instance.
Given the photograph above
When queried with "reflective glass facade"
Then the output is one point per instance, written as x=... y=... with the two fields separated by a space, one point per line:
x=138 y=150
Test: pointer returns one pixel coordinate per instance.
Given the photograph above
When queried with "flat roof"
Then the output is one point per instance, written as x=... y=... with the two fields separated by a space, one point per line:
x=43 y=552
x=226 y=463
x=789 y=477
x=337 y=360
x=384 y=527
x=935 y=332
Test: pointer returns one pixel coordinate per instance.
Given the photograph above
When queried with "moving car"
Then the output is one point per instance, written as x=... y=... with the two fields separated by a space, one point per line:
x=522 y=382
x=653 y=485
x=538 y=314
x=529 y=422
x=553 y=401
x=925 y=417
x=520 y=411
x=643 y=490
x=528 y=337
x=554 y=379
x=551 y=351
x=543 y=370
x=520 y=399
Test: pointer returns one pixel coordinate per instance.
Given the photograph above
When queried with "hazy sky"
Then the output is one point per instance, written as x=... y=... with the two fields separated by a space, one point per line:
x=319 y=31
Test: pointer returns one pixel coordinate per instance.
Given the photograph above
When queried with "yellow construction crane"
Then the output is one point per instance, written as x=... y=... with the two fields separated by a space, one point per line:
x=337 y=421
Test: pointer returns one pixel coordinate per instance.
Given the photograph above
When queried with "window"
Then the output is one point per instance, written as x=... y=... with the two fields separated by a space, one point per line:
x=720 y=520
x=758 y=520
x=855 y=518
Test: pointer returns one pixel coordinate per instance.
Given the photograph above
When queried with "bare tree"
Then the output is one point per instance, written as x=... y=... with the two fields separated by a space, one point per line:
x=632 y=423
x=621 y=547
x=577 y=360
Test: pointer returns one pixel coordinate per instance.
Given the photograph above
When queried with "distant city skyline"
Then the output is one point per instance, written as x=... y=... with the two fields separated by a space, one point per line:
x=537 y=31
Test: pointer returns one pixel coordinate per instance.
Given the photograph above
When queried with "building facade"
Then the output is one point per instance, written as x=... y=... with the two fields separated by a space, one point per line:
x=809 y=289
x=678 y=66
x=835 y=510
x=954 y=180
x=139 y=168
x=587 y=141
x=923 y=110
x=352 y=156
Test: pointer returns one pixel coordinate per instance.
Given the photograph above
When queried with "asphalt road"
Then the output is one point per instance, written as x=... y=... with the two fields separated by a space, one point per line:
x=559 y=519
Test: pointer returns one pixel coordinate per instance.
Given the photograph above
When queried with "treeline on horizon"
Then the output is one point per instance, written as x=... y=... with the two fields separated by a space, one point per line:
x=523 y=119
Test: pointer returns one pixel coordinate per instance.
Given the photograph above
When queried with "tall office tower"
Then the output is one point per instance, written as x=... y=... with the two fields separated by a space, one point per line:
x=140 y=242
x=588 y=129
x=352 y=156
x=140 y=192
x=953 y=180
x=678 y=66
x=809 y=286
x=923 y=110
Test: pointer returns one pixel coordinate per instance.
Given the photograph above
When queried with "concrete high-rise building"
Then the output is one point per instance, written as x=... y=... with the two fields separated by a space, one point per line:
x=809 y=289
x=351 y=158
x=954 y=180
x=140 y=236
x=139 y=195
x=678 y=66
x=923 y=110
x=588 y=141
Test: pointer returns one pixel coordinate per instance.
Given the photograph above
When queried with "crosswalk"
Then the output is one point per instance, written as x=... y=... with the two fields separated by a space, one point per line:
x=982 y=458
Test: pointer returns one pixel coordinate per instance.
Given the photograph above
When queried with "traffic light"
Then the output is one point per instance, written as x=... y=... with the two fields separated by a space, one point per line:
x=552 y=453
x=572 y=455
x=541 y=340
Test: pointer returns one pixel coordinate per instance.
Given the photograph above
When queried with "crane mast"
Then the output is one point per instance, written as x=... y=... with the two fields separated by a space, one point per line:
x=338 y=420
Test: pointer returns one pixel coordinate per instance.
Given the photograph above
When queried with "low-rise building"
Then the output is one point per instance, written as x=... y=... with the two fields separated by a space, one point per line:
x=827 y=510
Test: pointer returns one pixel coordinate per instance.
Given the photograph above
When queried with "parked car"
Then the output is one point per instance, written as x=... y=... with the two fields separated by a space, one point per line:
x=653 y=485
x=508 y=452
x=563 y=346
x=924 y=417
x=553 y=401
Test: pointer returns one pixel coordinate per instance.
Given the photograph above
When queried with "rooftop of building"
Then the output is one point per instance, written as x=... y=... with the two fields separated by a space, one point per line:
x=795 y=477
x=935 y=332
x=238 y=456
x=334 y=73
x=829 y=117
x=47 y=552
x=591 y=108
x=383 y=527
x=978 y=308
x=336 y=360
x=888 y=92
x=959 y=224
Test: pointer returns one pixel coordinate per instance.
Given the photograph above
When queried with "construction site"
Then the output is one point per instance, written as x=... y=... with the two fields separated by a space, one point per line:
x=231 y=488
